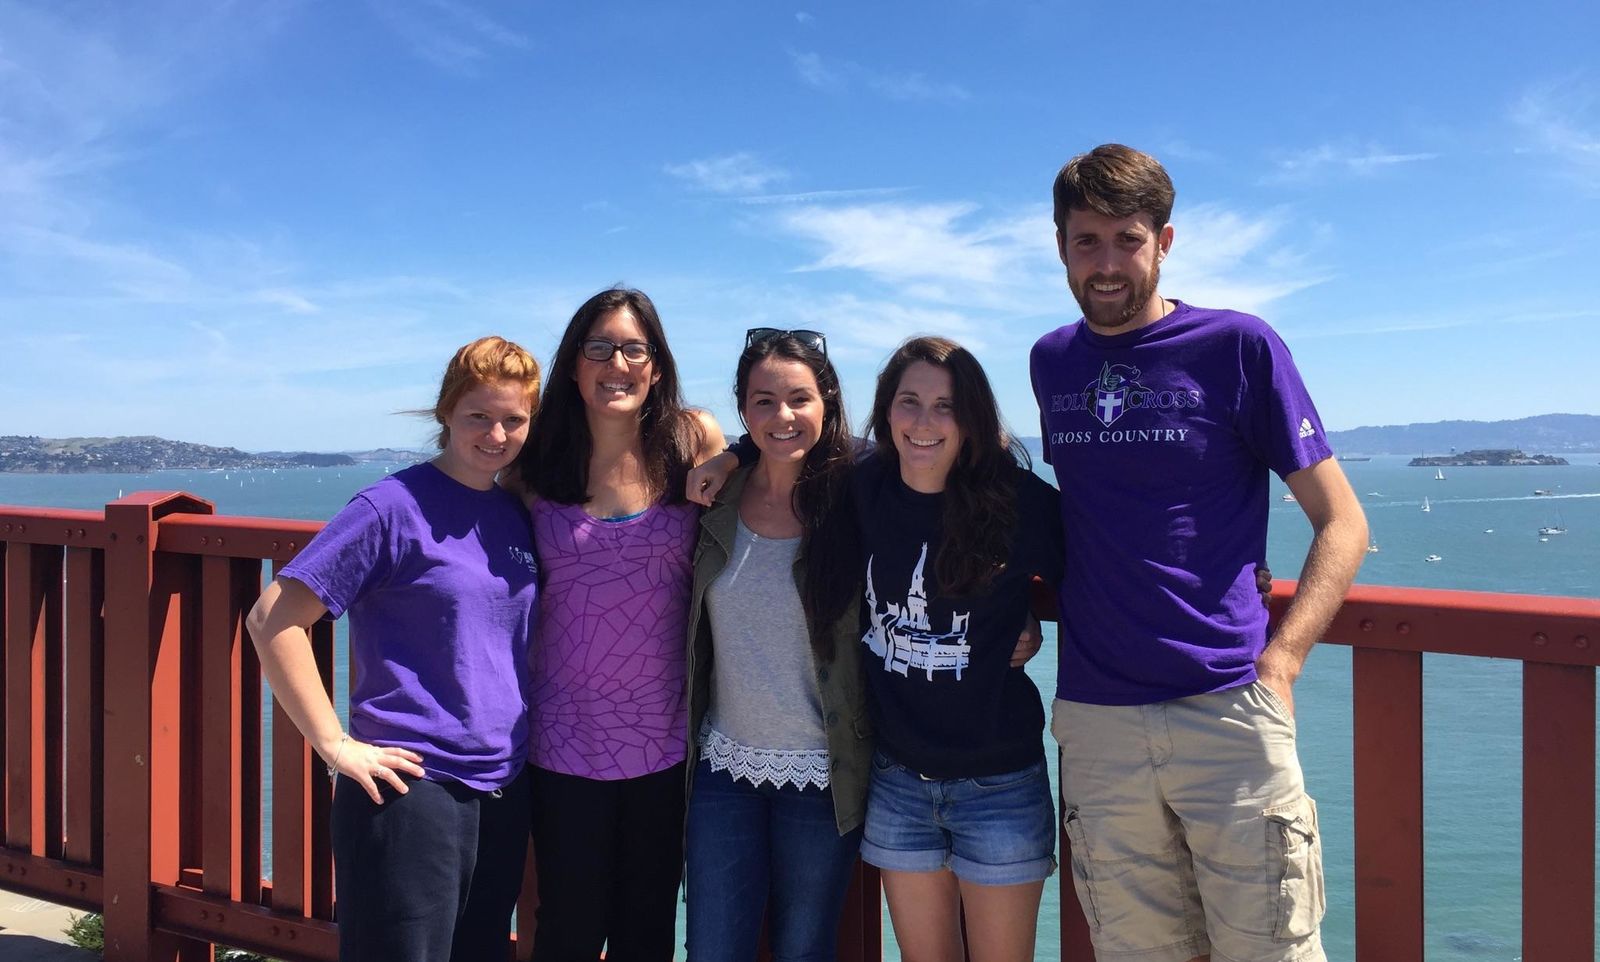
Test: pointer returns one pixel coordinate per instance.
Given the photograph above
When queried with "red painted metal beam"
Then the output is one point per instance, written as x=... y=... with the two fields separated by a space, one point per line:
x=57 y=526
x=33 y=698
x=51 y=880
x=85 y=645
x=1387 y=691
x=1552 y=629
x=1558 y=809
x=276 y=539
x=211 y=918
x=142 y=641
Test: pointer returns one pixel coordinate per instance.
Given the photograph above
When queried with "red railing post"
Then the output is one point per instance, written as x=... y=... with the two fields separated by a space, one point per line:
x=32 y=634
x=1386 y=690
x=143 y=714
x=85 y=701
x=1558 y=791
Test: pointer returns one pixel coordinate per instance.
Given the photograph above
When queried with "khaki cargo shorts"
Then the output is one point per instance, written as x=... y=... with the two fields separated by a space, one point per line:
x=1191 y=829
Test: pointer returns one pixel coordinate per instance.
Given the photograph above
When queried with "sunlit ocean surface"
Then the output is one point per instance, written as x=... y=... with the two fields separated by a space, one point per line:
x=1483 y=525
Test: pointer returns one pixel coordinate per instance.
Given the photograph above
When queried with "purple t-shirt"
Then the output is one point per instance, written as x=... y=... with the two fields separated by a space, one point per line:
x=1161 y=440
x=608 y=671
x=439 y=580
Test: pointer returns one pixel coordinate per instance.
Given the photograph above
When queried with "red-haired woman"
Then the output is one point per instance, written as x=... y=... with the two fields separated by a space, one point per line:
x=435 y=567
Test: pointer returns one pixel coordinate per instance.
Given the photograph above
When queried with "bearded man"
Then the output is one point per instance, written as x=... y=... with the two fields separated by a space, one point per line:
x=1192 y=834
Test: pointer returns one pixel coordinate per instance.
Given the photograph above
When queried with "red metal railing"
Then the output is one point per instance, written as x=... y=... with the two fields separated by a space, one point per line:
x=132 y=739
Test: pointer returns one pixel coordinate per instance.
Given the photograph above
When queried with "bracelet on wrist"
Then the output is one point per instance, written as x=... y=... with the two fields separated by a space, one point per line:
x=333 y=766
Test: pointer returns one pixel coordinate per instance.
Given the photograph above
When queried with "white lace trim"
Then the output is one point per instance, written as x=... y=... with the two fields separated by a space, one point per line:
x=760 y=766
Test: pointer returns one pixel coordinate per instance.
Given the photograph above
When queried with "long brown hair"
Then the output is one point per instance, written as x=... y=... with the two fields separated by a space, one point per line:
x=821 y=492
x=555 y=462
x=980 y=494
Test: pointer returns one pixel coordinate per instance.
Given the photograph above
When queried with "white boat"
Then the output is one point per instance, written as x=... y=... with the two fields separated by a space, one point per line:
x=1430 y=559
x=1287 y=497
x=1372 y=547
x=1425 y=505
x=1540 y=492
x=1556 y=527
x=1438 y=474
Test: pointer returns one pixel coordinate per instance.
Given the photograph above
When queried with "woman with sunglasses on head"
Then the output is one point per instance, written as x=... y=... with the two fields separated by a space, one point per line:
x=960 y=819
x=434 y=565
x=777 y=712
x=604 y=468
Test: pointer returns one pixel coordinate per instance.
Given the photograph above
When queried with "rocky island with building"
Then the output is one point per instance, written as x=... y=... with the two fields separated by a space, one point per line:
x=1493 y=457
x=141 y=455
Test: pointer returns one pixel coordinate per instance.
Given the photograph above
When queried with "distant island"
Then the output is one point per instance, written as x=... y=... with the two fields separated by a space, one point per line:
x=140 y=455
x=1550 y=433
x=1492 y=458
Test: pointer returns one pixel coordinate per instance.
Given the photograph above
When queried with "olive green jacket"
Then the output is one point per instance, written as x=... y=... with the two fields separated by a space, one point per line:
x=840 y=682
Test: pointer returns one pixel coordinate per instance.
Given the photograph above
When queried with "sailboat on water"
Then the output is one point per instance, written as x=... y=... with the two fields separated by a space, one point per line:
x=1550 y=529
x=1425 y=505
x=1438 y=474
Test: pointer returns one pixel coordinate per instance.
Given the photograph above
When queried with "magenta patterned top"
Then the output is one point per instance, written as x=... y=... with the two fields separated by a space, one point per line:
x=608 y=660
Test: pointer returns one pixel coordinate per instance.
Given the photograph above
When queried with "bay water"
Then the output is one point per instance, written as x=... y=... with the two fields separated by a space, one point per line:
x=1483 y=525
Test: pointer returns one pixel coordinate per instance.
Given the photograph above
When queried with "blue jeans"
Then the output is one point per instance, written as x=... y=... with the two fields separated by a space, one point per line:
x=989 y=829
x=753 y=850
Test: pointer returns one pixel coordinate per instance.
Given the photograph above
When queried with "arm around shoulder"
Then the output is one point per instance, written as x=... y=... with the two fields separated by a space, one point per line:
x=708 y=436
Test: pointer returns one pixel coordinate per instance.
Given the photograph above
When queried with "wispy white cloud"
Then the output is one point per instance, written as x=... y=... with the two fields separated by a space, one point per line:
x=739 y=173
x=907 y=86
x=822 y=196
x=1177 y=148
x=454 y=36
x=900 y=242
x=814 y=73
x=1227 y=258
x=917 y=86
x=1562 y=120
x=803 y=17
x=951 y=254
x=1340 y=159
x=865 y=329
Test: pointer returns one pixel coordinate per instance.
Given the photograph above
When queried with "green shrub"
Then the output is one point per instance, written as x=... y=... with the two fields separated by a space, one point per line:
x=87 y=932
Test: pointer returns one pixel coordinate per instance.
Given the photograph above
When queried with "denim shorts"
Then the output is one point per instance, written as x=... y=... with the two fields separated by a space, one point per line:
x=990 y=830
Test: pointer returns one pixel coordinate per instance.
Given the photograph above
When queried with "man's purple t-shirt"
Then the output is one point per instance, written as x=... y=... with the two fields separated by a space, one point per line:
x=1161 y=440
x=439 y=580
x=608 y=671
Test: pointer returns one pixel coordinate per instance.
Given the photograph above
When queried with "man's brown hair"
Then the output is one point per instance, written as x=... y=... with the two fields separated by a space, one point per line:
x=1114 y=181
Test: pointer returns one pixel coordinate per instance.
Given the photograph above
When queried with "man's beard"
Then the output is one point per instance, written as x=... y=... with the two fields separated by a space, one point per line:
x=1135 y=299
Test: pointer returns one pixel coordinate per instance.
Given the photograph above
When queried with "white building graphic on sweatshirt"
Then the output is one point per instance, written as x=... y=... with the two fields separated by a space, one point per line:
x=903 y=637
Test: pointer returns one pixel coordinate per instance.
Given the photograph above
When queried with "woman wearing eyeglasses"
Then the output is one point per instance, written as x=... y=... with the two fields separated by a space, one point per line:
x=777 y=709
x=605 y=467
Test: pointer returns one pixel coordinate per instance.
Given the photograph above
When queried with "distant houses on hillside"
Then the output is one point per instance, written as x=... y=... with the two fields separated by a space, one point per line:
x=140 y=455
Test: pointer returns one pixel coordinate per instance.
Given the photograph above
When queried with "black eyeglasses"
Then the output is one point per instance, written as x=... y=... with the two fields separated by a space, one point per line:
x=601 y=350
x=815 y=340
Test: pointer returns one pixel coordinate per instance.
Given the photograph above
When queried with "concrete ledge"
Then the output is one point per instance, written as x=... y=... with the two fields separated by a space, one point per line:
x=33 y=930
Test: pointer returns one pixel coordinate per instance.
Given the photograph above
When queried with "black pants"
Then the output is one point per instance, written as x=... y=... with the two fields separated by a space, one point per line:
x=428 y=875
x=609 y=855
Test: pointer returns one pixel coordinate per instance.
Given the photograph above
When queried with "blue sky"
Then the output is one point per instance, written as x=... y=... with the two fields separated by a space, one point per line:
x=268 y=224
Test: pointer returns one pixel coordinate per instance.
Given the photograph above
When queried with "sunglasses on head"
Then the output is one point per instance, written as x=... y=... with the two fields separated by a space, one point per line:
x=815 y=340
